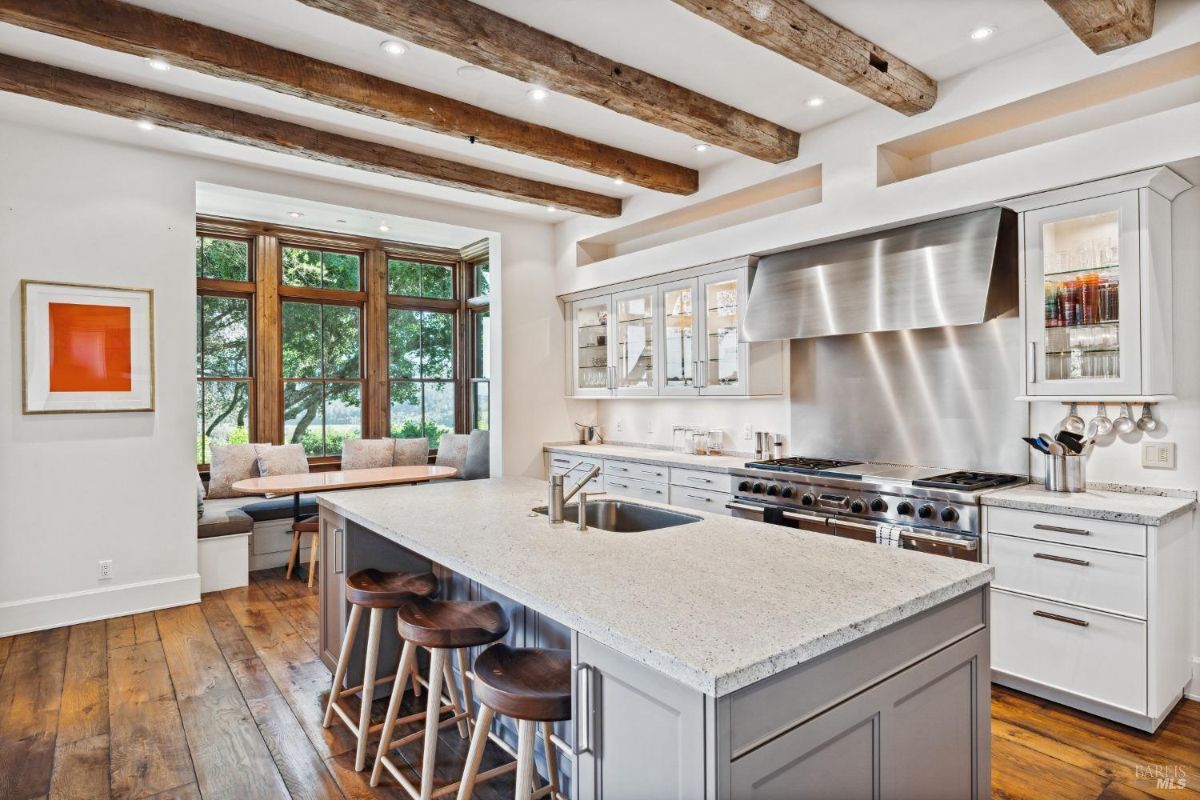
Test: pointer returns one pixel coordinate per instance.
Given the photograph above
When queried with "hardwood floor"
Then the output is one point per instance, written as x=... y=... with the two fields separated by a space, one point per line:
x=224 y=700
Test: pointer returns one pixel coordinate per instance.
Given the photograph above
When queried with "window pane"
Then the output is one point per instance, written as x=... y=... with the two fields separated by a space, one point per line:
x=301 y=267
x=301 y=340
x=341 y=271
x=405 y=414
x=480 y=409
x=422 y=409
x=303 y=415
x=483 y=345
x=404 y=343
x=439 y=411
x=404 y=277
x=437 y=345
x=343 y=415
x=224 y=336
x=483 y=286
x=224 y=415
x=341 y=341
x=437 y=281
x=224 y=259
x=199 y=258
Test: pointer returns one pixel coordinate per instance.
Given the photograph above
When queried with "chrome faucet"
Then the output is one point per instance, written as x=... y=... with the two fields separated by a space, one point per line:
x=558 y=495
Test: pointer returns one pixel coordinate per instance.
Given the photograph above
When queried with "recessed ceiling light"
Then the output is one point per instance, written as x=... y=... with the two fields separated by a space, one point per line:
x=392 y=47
x=537 y=94
x=146 y=125
x=618 y=180
x=470 y=72
x=295 y=214
x=815 y=102
x=383 y=228
x=981 y=33
x=158 y=64
x=700 y=148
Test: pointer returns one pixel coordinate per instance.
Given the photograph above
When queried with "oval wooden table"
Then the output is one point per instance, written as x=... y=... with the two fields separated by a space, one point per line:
x=302 y=482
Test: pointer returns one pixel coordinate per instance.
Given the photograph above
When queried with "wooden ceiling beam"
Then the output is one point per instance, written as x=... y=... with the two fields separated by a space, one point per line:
x=117 y=99
x=1105 y=25
x=126 y=28
x=481 y=36
x=798 y=32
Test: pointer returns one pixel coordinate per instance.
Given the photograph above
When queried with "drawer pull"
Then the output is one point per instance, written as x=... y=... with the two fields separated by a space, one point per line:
x=1083 y=623
x=700 y=497
x=701 y=480
x=1077 y=531
x=561 y=460
x=622 y=485
x=615 y=468
x=650 y=491
x=1048 y=557
x=651 y=472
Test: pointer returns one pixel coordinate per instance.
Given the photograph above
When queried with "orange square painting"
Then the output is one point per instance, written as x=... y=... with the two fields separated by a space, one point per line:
x=90 y=348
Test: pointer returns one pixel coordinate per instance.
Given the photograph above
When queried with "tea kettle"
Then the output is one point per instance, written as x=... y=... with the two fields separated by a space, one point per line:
x=589 y=434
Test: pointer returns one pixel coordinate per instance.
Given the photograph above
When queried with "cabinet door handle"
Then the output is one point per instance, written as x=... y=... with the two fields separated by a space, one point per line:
x=583 y=695
x=338 y=536
x=1082 y=623
x=1048 y=557
x=1033 y=362
x=1055 y=528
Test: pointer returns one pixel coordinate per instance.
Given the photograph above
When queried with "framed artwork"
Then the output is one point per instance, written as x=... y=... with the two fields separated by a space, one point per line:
x=86 y=348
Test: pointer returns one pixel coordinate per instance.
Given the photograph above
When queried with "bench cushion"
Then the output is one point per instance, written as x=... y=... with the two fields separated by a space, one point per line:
x=222 y=520
x=279 y=508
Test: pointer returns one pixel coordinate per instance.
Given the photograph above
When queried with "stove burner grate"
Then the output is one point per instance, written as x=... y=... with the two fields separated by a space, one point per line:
x=801 y=464
x=968 y=480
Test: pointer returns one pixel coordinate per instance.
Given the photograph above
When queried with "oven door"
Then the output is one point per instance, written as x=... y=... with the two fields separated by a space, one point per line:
x=780 y=516
x=938 y=543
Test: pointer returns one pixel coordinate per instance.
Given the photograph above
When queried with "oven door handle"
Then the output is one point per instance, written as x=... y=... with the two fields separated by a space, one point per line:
x=799 y=517
x=735 y=506
x=846 y=523
x=964 y=544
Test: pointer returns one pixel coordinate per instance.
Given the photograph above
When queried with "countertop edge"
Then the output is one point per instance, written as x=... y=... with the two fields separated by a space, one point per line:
x=662 y=458
x=1064 y=508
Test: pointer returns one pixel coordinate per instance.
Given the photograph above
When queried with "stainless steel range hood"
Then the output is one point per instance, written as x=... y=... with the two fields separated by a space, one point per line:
x=959 y=270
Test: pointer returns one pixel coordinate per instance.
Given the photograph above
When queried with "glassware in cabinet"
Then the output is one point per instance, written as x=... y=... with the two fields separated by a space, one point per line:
x=721 y=351
x=677 y=307
x=635 y=333
x=592 y=345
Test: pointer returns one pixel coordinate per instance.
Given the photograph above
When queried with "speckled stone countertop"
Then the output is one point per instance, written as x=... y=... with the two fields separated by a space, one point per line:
x=651 y=455
x=1137 y=506
x=717 y=604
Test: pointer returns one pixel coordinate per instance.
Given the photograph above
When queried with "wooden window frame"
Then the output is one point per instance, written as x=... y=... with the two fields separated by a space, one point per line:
x=474 y=255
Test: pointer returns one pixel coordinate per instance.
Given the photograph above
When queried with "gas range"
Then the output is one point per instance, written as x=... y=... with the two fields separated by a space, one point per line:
x=930 y=509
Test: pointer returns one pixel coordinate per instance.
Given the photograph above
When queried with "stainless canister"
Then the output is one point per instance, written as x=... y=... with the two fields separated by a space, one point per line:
x=1066 y=473
x=762 y=445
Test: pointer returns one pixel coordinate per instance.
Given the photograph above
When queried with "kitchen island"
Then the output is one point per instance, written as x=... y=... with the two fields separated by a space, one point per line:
x=721 y=658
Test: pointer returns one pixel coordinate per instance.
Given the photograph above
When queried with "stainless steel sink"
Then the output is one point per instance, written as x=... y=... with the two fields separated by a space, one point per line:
x=622 y=517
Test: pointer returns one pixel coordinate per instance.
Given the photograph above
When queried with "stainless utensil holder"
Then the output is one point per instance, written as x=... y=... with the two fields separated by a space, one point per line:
x=1066 y=473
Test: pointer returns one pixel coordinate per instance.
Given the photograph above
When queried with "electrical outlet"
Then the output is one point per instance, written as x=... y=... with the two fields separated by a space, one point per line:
x=106 y=570
x=650 y=426
x=748 y=432
x=1159 y=455
x=620 y=426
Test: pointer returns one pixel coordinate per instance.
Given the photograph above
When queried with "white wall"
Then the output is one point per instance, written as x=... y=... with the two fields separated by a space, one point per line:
x=76 y=489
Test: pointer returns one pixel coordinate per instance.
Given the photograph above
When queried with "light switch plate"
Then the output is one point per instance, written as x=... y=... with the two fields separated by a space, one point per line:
x=1159 y=455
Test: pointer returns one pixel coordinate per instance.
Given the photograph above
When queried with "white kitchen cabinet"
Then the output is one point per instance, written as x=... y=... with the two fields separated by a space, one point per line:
x=676 y=337
x=1096 y=288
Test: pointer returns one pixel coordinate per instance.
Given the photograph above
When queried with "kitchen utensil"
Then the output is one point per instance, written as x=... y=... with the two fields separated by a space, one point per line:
x=1146 y=422
x=1124 y=423
x=1052 y=447
x=777 y=446
x=1036 y=444
x=1066 y=473
x=762 y=445
x=1072 y=442
x=1100 y=424
x=589 y=434
x=1073 y=423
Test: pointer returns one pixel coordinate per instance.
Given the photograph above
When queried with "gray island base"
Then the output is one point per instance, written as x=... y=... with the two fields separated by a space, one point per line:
x=719 y=659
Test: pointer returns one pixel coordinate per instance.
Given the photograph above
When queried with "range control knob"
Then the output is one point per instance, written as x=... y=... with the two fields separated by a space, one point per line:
x=772 y=490
x=757 y=488
x=807 y=500
x=879 y=505
x=925 y=511
x=744 y=486
x=858 y=506
x=786 y=491
x=949 y=515
x=905 y=508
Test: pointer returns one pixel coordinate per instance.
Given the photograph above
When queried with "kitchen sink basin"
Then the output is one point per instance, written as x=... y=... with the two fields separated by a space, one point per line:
x=621 y=517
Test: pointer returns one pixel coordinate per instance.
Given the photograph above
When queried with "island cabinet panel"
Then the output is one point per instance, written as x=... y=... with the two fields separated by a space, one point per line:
x=636 y=729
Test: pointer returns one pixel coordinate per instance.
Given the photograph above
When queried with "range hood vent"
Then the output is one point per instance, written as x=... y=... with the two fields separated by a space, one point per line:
x=959 y=270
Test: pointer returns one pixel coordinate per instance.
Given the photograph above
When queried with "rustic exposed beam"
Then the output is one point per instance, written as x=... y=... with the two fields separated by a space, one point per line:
x=502 y=44
x=1105 y=25
x=797 y=31
x=193 y=116
x=131 y=29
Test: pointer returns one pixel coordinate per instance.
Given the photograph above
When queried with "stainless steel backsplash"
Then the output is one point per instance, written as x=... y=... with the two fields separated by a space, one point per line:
x=937 y=397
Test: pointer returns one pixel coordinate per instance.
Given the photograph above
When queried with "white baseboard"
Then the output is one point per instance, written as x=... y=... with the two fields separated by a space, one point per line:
x=54 y=611
x=1192 y=690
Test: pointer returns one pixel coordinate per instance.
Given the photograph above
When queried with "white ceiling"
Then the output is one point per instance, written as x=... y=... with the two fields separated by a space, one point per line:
x=654 y=35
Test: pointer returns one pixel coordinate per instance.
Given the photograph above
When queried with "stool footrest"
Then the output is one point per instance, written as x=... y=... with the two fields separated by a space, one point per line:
x=450 y=788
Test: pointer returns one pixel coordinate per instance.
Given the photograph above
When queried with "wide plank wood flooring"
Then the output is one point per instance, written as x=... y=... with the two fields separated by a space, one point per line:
x=225 y=700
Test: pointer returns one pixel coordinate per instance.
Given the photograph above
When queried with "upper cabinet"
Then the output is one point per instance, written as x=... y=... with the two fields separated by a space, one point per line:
x=672 y=338
x=1096 y=265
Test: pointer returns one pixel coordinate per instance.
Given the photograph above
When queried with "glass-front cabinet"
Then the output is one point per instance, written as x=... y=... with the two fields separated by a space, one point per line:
x=591 y=322
x=1097 y=274
x=635 y=360
x=723 y=297
x=680 y=355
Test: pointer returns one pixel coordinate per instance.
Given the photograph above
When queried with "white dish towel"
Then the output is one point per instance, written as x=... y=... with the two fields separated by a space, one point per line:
x=888 y=535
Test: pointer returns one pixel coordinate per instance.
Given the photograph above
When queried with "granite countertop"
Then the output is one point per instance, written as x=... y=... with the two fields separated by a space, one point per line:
x=1117 y=505
x=717 y=604
x=651 y=455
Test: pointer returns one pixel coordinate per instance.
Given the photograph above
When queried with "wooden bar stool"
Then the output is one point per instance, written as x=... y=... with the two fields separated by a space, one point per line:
x=378 y=591
x=299 y=528
x=441 y=627
x=530 y=685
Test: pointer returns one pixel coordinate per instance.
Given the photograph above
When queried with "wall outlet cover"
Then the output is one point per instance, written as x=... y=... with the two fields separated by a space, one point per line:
x=748 y=432
x=105 y=570
x=1158 y=455
x=620 y=426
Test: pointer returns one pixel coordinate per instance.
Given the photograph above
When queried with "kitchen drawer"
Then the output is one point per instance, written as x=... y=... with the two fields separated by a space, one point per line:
x=561 y=464
x=700 y=499
x=632 y=469
x=1098 y=656
x=619 y=485
x=1098 y=533
x=1095 y=578
x=701 y=479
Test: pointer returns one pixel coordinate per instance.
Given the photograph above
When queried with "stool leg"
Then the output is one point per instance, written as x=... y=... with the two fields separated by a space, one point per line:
x=368 y=690
x=437 y=664
x=551 y=758
x=343 y=661
x=295 y=554
x=452 y=690
x=468 y=692
x=408 y=656
x=525 y=738
x=314 y=545
x=475 y=754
